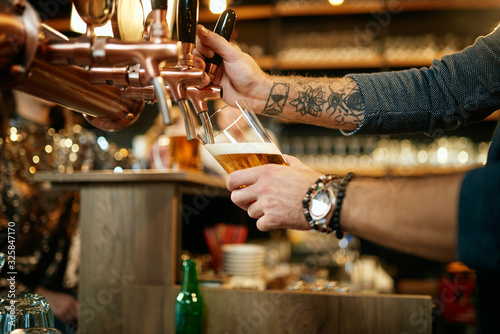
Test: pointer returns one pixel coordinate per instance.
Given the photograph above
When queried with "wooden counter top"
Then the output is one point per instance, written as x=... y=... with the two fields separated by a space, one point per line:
x=149 y=175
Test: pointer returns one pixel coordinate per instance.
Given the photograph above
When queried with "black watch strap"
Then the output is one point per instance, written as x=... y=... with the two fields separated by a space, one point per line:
x=335 y=221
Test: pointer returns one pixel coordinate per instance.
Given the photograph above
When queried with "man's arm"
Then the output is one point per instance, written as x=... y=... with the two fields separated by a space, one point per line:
x=414 y=215
x=328 y=102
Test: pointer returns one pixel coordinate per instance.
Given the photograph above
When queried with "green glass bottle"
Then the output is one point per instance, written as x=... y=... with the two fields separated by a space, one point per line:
x=189 y=303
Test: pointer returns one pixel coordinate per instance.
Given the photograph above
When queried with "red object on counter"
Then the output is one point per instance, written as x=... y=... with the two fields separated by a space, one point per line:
x=457 y=294
x=222 y=234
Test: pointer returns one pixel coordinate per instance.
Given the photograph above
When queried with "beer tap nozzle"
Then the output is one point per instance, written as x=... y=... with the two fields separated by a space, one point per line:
x=162 y=99
x=199 y=98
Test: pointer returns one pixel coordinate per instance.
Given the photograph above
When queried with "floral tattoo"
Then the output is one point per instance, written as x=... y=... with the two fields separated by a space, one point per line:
x=310 y=101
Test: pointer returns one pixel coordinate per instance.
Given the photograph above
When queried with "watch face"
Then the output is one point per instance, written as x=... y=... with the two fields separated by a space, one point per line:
x=320 y=204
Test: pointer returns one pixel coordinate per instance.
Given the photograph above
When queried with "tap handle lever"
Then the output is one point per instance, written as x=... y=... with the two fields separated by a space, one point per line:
x=159 y=4
x=187 y=19
x=224 y=27
x=159 y=30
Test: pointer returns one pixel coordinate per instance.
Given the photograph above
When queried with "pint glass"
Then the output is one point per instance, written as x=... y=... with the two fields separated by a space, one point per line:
x=239 y=139
x=174 y=151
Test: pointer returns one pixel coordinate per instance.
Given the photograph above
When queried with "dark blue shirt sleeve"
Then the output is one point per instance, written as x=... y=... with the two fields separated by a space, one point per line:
x=458 y=89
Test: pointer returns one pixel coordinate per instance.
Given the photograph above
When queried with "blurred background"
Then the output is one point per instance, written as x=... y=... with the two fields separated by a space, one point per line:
x=334 y=38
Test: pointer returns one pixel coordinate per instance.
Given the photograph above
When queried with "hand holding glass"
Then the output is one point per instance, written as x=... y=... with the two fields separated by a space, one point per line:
x=239 y=139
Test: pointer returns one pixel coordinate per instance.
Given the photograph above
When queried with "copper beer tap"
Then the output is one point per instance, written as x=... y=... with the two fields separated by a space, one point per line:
x=22 y=66
x=108 y=79
x=183 y=81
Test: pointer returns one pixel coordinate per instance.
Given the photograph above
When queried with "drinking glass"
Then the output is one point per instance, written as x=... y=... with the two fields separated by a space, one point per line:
x=25 y=311
x=172 y=150
x=176 y=152
x=239 y=139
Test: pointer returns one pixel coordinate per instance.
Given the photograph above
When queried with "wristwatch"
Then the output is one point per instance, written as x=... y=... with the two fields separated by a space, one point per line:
x=320 y=201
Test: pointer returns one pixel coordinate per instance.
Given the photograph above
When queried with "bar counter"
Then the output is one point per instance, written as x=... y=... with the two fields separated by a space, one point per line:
x=131 y=225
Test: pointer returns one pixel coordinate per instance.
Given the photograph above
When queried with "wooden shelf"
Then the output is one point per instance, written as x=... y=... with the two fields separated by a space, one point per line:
x=253 y=12
x=270 y=62
x=370 y=7
x=376 y=62
x=365 y=7
x=423 y=5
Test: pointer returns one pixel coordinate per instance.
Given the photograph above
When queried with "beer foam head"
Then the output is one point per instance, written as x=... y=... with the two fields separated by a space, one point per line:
x=239 y=148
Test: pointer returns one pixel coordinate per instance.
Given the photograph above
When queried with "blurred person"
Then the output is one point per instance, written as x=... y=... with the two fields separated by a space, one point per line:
x=446 y=218
x=38 y=136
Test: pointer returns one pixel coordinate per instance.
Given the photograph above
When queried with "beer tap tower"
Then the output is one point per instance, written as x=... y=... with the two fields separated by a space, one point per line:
x=106 y=79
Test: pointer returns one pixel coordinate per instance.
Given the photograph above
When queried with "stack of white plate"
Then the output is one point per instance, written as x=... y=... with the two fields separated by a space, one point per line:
x=243 y=259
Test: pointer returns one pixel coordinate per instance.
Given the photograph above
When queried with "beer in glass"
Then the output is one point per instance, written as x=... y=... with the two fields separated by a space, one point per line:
x=239 y=139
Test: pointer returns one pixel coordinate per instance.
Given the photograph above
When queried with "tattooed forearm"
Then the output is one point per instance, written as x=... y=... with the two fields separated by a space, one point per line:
x=300 y=98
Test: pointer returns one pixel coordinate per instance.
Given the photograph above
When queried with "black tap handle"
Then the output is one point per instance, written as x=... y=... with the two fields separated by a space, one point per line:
x=187 y=19
x=159 y=4
x=224 y=27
